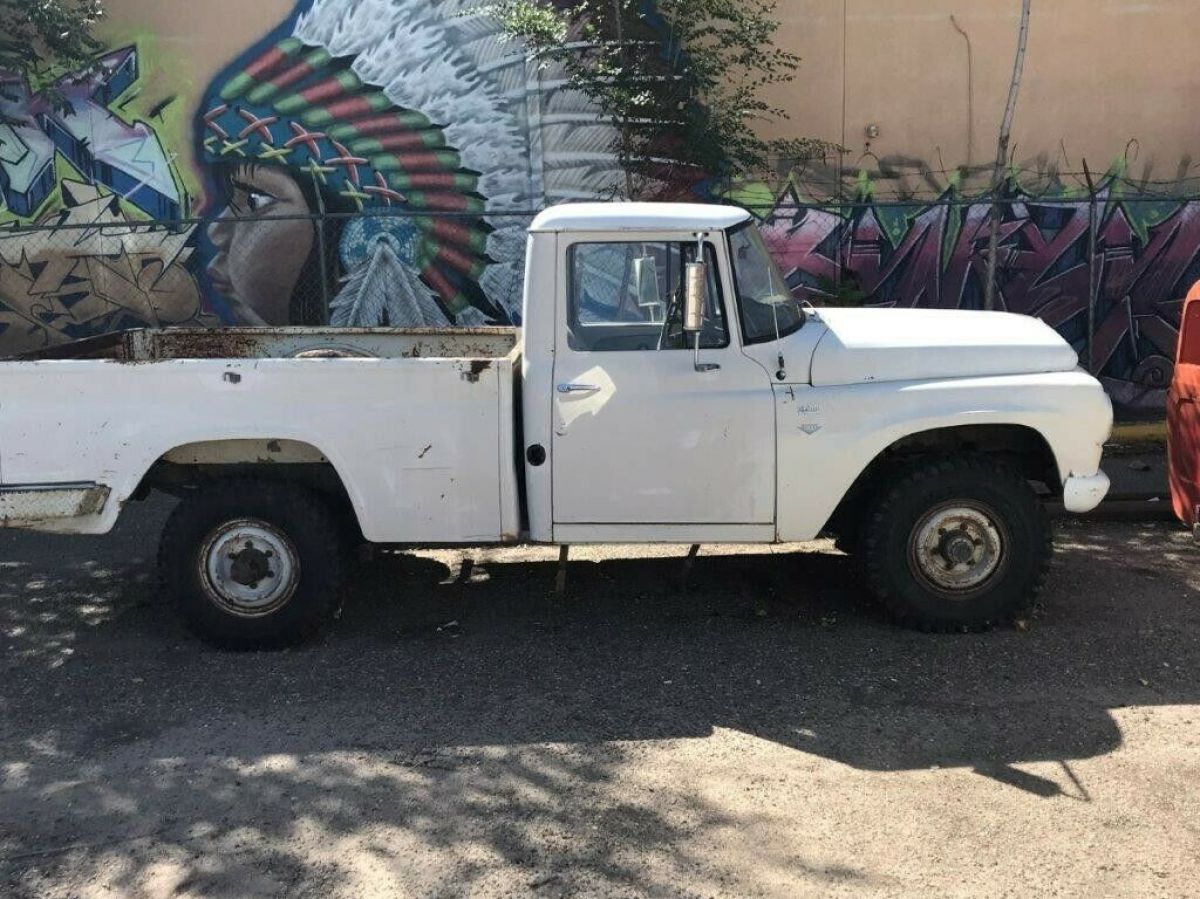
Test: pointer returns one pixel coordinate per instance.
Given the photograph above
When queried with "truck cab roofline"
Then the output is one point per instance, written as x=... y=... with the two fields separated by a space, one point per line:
x=638 y=217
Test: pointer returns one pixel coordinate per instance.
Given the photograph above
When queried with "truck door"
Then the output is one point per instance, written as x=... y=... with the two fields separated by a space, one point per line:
x=1183 y=415
x=646 y=446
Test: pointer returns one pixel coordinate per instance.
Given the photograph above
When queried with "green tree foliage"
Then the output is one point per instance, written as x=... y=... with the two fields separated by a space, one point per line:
x=43 y=38
x=681 y=81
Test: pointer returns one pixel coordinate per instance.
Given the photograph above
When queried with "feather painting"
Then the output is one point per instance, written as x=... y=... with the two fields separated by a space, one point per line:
x=386 y=293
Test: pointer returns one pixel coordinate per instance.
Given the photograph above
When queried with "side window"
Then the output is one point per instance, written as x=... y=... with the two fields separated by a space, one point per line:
x=628 y=297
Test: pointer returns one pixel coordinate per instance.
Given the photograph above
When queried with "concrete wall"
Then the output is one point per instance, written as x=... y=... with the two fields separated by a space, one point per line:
x=1103 y=79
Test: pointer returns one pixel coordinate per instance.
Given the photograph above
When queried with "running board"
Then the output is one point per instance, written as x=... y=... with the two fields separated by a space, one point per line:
x=30 y=504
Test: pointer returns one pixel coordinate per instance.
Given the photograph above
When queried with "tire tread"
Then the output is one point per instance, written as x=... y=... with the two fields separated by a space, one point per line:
x=913 y=477
x=290 y=503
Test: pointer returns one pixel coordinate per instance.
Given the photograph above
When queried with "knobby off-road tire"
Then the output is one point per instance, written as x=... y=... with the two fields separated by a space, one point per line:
x=961 y=543
x=253 y=564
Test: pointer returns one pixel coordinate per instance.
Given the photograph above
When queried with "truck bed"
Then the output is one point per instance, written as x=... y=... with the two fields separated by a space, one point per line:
x=419 y=425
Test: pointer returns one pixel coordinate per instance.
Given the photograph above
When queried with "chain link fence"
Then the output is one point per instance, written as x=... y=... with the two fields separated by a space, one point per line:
x=1107 y=270
x=88 y=272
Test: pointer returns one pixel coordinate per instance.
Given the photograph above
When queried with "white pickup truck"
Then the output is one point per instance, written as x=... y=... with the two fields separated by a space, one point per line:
x=663 y=389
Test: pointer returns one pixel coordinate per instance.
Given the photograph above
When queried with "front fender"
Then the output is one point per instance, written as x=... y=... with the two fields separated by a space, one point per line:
x=828 y=436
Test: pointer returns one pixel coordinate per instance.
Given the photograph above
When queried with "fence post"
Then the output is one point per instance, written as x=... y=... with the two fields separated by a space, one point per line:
x=1093 y=268
x=322 y=258
x=838 y=253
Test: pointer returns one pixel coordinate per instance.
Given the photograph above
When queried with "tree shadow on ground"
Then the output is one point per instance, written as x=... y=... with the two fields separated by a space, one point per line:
x=471 y=706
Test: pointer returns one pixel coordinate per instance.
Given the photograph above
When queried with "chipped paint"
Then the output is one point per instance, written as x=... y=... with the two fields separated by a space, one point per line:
x=475 y=370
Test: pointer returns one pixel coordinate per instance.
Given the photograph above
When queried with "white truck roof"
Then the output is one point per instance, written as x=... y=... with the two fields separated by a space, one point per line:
x=638 y=217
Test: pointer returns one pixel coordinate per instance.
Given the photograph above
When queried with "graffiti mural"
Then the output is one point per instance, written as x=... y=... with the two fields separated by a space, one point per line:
x=92 y=270
x=88 y=133
x=934 y=255
x=422 y=130
x=89 y=233
x=376 y=162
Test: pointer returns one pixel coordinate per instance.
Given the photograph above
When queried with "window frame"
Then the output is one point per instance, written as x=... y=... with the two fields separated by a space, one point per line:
x=747 y=341
x=712 y=254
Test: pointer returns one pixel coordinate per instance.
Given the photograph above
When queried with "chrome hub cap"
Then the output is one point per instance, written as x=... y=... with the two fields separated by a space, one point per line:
x=957 y=548
x=249 y=568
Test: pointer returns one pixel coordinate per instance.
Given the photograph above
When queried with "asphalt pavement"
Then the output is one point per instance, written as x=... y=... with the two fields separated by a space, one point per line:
x=465 y=731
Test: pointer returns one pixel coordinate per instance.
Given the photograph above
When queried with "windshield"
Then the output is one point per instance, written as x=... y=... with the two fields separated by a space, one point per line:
x=767 y=307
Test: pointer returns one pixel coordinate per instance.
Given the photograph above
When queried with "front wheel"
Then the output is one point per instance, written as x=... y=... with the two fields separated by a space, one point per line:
x=957 y=544
x=251 y=564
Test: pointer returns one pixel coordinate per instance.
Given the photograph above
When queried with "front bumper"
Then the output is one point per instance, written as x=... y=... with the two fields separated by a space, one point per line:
x=1083 y=493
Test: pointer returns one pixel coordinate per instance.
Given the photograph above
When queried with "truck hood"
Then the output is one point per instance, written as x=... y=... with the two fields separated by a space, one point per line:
x=868 y=345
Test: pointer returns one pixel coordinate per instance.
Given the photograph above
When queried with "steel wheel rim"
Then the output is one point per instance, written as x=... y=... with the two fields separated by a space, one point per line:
x=958 y=548
x=249 y=568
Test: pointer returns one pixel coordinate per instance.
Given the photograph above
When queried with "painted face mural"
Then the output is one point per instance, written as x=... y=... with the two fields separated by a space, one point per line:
x=373 y=163
x=248 y=268
x=295 y=141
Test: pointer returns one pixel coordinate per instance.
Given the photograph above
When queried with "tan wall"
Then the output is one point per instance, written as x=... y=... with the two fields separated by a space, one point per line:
x=202 y=37
x=1099 y=74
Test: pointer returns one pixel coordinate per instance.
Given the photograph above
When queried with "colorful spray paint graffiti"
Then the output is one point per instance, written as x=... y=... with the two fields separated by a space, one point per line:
x=90 y=135
x=83 y=247
x=373 y=162
x=94 y=271
x=935 y=256
x=419 y=114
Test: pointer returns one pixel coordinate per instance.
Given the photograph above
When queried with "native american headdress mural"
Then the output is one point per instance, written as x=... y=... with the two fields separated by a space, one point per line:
x=420 y=114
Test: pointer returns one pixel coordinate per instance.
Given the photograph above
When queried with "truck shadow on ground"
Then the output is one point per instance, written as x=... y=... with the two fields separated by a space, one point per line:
x=789 y=648
x=473 y=703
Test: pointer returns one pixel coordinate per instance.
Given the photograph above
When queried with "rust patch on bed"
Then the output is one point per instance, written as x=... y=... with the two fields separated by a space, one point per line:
x=476 y=370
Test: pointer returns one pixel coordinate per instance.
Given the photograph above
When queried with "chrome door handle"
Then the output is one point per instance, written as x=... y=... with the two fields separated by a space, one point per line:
x=578 y=388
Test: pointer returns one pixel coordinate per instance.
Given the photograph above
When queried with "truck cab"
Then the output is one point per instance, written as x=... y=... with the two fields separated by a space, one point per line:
x=765 y=423
x=651 y=433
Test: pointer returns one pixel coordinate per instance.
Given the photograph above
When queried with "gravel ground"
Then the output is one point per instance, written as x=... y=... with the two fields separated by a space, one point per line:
x=465 y=732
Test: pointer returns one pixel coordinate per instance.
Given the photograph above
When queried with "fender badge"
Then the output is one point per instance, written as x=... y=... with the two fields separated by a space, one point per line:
x=810 y=429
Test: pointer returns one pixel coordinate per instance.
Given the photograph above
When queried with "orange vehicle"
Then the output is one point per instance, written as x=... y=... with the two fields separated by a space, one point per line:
x=1183 y=418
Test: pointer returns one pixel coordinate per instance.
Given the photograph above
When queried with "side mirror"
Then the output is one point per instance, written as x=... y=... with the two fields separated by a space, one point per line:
x=695 y=295
x=645 y=279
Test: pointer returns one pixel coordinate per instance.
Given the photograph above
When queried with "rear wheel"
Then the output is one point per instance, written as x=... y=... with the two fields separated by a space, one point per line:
x=960 y=543
x=252 y=564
